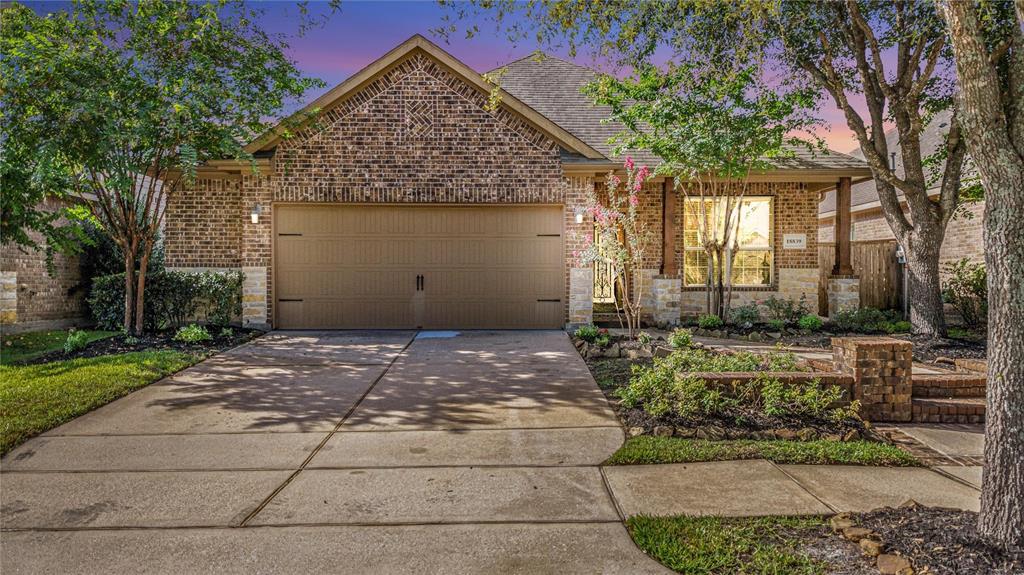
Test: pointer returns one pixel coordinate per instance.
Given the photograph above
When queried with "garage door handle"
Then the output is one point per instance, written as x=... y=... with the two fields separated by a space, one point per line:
x=280 y=300
x=550 y=300
x=419 y=283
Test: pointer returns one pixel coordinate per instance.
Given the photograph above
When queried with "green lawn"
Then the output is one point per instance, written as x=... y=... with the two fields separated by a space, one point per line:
x=35 y=398
x=717 y=546
x=20 y=347
x=647 y=449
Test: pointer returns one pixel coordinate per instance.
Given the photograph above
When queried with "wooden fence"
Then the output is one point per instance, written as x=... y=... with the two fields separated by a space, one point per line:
x=881 y=276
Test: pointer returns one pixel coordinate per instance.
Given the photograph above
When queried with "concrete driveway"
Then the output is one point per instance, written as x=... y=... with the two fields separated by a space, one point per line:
x=343 y=452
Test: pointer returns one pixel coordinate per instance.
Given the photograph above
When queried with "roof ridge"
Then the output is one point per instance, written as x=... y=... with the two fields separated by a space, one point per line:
x=546 y=57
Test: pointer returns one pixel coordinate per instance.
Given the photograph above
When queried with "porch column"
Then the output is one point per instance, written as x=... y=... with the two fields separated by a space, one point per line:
x=843 y=264
x=843 y=285
x=668 y=229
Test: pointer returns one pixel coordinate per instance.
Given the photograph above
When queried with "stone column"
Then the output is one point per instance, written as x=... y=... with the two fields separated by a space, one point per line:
x=881 y=369
x=581 y=297
x=254 y=298
x=667 y=293
x=8 y=297
x=843 y=294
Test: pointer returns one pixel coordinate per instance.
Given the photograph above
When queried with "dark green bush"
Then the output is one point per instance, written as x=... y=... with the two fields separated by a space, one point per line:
x=745 y=315
x=966 y=287
x=865 y=320
x=172 y=298
x=76 y=340
x=680 y=338
x=104 y=257
x=785 y=310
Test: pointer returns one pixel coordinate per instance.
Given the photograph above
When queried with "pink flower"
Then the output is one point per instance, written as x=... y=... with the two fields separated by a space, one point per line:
x=590 y=238
x=638 y=185
x=615 y=181
x=642 y=173
x=634 y=200
x=629 y=162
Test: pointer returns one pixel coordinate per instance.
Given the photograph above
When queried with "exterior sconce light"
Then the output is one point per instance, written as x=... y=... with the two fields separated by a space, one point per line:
x=579 y=215
x=254 y=215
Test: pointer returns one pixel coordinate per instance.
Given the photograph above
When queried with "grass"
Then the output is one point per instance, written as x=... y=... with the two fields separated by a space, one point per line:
x=22 y=347
x=646 y=449
x=717 y=546
x=36 y=398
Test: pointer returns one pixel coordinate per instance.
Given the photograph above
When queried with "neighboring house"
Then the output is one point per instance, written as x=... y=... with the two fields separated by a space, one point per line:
x=31 y=298
x=964 y=235
x=410 y=204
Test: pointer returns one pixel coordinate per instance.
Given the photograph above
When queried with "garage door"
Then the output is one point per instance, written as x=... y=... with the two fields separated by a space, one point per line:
x=429 y=267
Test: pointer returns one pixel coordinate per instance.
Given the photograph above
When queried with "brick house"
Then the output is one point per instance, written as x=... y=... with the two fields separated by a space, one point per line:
x=407 y=202
x=964 y=234
x=31 y=296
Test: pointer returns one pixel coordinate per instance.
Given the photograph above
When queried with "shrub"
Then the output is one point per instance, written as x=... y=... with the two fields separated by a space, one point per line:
x=603 y=339
x=664 y=388
x=75 y=341
x=966 y=287
x=810 y=322
x=226 y=332
x=680 y=338
x=587 y=333
x=172 y=298
x=776 y=324
x=643 y=338
x=745 y=315
x=102 y=256
x=709 y=321
x=785 y=310
x=192 y=333
x=864 y=320
x=898 y=327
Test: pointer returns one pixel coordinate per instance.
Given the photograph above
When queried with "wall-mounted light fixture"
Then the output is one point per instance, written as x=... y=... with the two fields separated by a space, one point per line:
x=254 y=215
x=579 y=215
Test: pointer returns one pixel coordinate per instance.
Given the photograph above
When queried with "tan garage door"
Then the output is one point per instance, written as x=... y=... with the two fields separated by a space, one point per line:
x=429 y=267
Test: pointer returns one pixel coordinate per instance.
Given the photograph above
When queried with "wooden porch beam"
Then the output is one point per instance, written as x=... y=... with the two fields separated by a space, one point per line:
x=843 y=260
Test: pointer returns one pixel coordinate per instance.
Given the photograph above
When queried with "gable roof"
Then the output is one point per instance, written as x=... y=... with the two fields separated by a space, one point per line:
x=418 y=43
x=553 y=87
x=864 y=196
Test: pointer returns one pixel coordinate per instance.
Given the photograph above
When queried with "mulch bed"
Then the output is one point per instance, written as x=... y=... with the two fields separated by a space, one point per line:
x=939 y=541
x=158 y=341
x=928 y=351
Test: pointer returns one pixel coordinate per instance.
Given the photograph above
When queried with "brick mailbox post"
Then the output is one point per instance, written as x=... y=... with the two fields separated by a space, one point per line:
x=881 y=368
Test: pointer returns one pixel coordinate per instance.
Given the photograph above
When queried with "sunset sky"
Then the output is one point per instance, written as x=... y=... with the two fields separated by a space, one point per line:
x=364 y=31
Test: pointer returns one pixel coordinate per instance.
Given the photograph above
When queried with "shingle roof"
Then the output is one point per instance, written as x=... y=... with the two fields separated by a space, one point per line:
x=552 y=87
x=866 y=193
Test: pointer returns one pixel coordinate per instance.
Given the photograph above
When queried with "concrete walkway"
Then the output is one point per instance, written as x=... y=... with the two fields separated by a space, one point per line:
x=343 y=452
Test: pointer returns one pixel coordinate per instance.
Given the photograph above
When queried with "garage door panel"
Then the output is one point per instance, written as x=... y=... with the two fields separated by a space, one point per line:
x=356 y=266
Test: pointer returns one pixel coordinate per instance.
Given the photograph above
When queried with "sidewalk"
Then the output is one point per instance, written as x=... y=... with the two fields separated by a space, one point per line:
x=758 y=487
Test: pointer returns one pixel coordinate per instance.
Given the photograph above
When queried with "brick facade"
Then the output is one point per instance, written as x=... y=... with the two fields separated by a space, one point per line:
x=33 y=298
x=416 y=132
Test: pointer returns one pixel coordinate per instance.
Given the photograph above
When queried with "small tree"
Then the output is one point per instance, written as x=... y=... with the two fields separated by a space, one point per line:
x=713 y=131
x=117 y=103
x=623 y=236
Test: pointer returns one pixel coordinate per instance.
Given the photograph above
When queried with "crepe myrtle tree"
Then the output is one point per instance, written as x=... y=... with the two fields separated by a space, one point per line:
x=713 y=130
x=988 y=46
x=116 y=103
x=881 y=64
x=621 y=239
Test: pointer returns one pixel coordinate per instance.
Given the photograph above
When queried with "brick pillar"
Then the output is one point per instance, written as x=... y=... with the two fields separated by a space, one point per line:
x=667 y=295
x=881 y=368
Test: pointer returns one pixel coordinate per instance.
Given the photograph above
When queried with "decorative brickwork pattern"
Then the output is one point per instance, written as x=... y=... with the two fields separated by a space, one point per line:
x=30 y=296
x=203 y=224
x=881 y=368
x=419 y=134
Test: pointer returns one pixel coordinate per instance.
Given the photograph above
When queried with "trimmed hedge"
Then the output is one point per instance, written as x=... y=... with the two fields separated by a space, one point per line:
x=172 y=299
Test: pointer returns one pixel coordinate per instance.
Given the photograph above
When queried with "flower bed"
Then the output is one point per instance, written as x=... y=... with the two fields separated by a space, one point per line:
x=680 y=389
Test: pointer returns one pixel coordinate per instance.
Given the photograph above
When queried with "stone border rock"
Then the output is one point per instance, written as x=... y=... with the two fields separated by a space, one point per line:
x=871 y=545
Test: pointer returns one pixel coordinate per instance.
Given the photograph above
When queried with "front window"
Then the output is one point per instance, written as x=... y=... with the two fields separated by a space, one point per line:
x=755 y=256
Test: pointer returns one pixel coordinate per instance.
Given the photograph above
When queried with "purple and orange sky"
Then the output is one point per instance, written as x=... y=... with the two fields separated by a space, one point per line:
x=364 y=31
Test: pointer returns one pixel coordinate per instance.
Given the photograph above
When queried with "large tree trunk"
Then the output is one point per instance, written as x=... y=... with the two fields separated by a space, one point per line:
x=925 y=289
x=992 y=118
